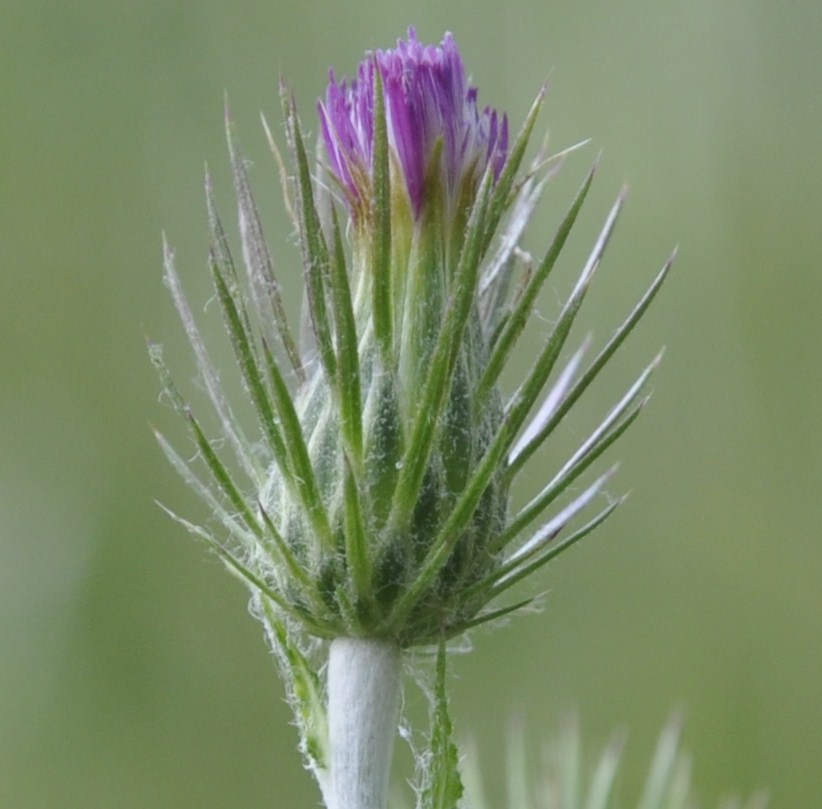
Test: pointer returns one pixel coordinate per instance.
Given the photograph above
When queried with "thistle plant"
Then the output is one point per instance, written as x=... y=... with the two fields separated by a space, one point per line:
x=370 y=513
x=564 y=785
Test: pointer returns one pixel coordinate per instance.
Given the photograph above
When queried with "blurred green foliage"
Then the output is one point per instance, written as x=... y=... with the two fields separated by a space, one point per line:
x=130 y=675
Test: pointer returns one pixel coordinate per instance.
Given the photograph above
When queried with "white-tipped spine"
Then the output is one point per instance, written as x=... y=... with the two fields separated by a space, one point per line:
x=363 y=713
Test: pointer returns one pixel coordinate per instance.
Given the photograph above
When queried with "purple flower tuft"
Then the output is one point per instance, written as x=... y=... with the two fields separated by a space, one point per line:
x=426 y=98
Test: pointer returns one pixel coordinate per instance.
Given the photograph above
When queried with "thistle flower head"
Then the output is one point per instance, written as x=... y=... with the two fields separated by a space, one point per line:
x=376 y=504
x=371 y=509
x=440 y=140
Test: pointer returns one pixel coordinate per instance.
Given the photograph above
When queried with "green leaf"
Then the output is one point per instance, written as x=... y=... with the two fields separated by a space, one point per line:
x=535 y=545
x=551 y=402
x=285 y=556
x=302 y=477
x=498 y=270
x=605 y=434
x=560 y=483
x=221 y=252
x=222 y=476
x=517 y=788
x=285 y=438
x=444 y=787
x=552 y=552
x=520 y=405
x=596 y=366
x=234 y=564
x=601 y=793
x=563 y=784
x=244 y=349
x=218 y=471
x=381 y=275
x=229 y=521
x=501 y=200
x=349 y=390
x=285 y=180
x=536 y=550
x=231 y=428
x=312 y=241
x=489 y=617
x=663 y=769
x=516 y=322
x=305 y=692
x=438 y=381
x=524 y=399
x=570 y=765
x=264 y=286
x=357 y=553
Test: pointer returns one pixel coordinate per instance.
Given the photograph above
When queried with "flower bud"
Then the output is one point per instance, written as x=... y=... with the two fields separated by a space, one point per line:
x=378 y=502
x=409 y=474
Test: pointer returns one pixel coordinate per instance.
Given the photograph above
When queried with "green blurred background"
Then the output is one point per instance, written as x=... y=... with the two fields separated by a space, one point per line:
x=130 y=673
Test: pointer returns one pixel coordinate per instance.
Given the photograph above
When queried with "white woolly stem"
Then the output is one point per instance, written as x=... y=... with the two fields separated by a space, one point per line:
x=363 y=712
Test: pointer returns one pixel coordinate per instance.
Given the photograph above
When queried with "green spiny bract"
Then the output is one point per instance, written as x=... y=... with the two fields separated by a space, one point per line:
x=359 y=594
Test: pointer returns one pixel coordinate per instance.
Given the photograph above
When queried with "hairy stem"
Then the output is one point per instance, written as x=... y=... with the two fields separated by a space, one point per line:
x=363 y=711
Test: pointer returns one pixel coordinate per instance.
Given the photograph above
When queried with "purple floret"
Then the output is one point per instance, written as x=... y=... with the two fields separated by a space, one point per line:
x=426 y=98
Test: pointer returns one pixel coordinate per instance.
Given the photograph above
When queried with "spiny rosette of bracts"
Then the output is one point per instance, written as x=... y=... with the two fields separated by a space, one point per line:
x=375 y=501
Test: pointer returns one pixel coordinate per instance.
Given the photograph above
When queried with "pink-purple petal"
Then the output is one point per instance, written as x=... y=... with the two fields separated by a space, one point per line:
x=426 y=99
